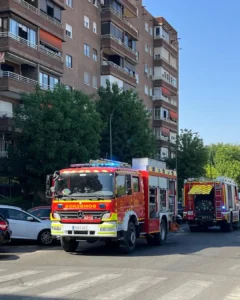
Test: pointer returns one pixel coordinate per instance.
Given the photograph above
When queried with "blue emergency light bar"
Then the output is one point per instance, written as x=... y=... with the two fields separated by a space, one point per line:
x=102 y=163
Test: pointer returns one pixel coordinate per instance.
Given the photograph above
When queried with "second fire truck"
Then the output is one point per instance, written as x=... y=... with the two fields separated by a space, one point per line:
x=211 y=202
x=113 y=202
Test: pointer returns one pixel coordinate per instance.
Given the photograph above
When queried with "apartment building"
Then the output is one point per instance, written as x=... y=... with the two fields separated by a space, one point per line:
x=81 y=43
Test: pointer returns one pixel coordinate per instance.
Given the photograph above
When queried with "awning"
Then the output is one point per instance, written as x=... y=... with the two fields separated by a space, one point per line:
x=173 y=116
x=165 y=131
x=166 y=92
x=50 y=39
x=201 y=189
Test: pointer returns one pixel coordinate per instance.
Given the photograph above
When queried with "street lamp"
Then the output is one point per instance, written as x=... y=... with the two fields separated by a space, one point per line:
x=110 y=128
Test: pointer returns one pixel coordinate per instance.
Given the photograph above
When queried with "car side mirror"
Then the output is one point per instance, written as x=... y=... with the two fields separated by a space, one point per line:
x=30 y=219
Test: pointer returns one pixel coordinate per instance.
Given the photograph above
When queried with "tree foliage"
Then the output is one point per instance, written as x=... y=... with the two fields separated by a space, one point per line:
x=131 y=133
x=224 y=160
x=191 y=157
x=59 y=127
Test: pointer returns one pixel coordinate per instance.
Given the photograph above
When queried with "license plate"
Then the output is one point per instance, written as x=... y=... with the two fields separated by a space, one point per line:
x=88 y=217
x=80 y=227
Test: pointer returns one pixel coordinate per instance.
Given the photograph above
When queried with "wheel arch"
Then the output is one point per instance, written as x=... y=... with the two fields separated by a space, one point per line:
x=130 y=216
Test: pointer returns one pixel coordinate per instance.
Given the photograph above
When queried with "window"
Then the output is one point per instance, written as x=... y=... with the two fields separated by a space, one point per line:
x=51 y=9
x=150 y=72
x=136 y=184
x=151 y=30
x=150 y=51
x=173 y=81
x=150 y=92
x=3 y=24
x=68 y=61
x=164 y=114
x=173 y=61
x=87 y=50
x=146 y=47
x=19 y=215
x=146 y=89
x=95 y=55
x=68 y=87
x=94 y=82
x=95 y=27
x=146 y=26
x=137 y=55
x=164 y=153
x=86 y=22
x=95 y=3
x=137 y=78
x=86 y=78
x=157 y=113
x=47 y=81
x=69 y=30
x=69 y=3
x=18 y=30
x=157 y=132
x=123 y=184
x=146 y=68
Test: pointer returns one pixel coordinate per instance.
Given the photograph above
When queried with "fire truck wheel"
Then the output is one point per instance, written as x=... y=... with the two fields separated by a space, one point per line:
x=69 y=245
x=159 y=238
x=130 y=237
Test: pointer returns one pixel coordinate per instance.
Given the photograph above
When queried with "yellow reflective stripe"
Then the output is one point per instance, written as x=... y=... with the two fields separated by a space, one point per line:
x=201 y=189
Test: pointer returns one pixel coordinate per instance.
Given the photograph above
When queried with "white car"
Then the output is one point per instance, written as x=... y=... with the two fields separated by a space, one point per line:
x=26 y=226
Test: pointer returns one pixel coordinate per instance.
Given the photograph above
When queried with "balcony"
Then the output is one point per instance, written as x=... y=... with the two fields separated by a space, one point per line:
x=130 y=8
x=110 y=68
x=160 y=41
x=111 y=45
x=164 y=122
x=161 y=62
x=33 y=15
x=13 y=85
x=111 y=14
x=21 y=47
x=160 y=82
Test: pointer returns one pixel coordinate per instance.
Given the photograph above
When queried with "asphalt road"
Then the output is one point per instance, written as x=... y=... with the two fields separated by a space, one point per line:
x=190 y=266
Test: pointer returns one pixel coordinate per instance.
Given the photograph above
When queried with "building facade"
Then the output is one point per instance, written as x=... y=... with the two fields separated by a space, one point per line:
x=84 y=43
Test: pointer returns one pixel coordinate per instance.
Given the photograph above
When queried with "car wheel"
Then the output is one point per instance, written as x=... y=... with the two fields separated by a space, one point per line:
x=45 y=237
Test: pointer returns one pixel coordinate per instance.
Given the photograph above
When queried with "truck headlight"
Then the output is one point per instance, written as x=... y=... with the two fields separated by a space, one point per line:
x=106 y=216
x=56 y=216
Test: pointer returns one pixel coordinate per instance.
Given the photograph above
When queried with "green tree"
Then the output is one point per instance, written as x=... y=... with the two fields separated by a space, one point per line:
x=58 y=127
x=131 y=132
x=225 y=161
x=191 y=157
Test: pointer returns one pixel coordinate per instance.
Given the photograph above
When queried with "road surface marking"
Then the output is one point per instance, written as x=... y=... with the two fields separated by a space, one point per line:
x=187 y=291
x=78 y=286
x=129 y=289
x=37 y=282
x=234 y=268
x=235 y=295
x=13 y=276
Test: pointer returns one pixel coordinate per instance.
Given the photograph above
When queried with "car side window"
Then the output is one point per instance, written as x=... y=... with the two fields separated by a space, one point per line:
x=19 y=215
x=46 y=213
x=4 y=212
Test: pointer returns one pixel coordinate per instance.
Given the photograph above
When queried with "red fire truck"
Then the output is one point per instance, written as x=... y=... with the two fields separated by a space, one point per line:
x=113 y=202
x=209 y=202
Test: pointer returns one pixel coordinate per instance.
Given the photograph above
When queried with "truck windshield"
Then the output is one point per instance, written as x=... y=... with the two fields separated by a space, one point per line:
x=84 y=185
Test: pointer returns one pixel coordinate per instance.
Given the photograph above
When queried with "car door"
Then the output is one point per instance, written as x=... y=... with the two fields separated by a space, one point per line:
x=20 y=226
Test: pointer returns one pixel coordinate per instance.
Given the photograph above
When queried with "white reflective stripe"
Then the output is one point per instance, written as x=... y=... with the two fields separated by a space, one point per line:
x=187 y=291
x=13 y=276
x=37 y=282
x=235 y=295
x=130 y=289
x=78 y=286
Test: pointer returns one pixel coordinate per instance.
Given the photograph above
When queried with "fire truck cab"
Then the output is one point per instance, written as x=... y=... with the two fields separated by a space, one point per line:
x=211 y=202
x=113 y=202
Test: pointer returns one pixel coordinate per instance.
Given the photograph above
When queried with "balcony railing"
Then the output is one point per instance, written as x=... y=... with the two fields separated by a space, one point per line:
x=3 y=154
x=39 y=12
x=6 y=114
x=158 y=118
x=17 y=77
x=110 y=63
x=168 y=100
x=162 y=77
x=30 y=44
x=120 y=16
x=156 y=37
x=120 y=42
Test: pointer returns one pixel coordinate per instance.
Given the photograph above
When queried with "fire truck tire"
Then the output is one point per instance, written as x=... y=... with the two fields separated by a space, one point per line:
x=159 y=238
x=194 y=228
x=68 y=245
x=128 y=245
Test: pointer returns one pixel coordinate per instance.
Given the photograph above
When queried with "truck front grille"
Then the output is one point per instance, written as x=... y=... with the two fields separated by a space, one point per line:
x=87 y=215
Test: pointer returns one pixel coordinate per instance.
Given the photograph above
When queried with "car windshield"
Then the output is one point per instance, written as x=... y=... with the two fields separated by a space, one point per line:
x=86 y=184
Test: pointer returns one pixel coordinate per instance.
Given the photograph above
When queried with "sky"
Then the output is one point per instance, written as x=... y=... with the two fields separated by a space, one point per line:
x=209 y=79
